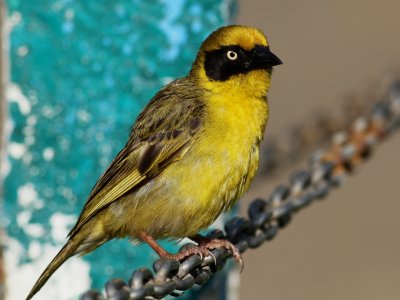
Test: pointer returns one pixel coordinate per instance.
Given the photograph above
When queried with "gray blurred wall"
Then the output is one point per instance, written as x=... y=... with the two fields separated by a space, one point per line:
x=347 y=247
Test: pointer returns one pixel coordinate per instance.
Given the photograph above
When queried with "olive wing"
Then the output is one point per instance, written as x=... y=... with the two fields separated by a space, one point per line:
x=162 y=134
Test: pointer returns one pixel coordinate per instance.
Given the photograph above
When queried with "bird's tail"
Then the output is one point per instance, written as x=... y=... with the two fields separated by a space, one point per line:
x=66 y=252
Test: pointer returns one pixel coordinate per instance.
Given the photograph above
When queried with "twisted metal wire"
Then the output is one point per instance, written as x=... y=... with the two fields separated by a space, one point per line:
x=326 y=171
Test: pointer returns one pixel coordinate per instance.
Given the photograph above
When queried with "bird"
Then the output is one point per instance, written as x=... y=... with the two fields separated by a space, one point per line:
x=191 y=154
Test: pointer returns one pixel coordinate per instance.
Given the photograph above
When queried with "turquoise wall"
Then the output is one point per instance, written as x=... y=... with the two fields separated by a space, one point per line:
x=80 y=72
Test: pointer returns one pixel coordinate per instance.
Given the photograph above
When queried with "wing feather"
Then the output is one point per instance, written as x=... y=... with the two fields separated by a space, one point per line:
x=162 y=134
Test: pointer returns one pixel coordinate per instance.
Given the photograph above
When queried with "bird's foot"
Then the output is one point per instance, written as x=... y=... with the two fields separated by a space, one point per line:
x=194 y=250
x=203 y=249
x=207 y=244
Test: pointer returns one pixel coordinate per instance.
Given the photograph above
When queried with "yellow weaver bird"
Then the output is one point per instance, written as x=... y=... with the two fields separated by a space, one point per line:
x=191 y=154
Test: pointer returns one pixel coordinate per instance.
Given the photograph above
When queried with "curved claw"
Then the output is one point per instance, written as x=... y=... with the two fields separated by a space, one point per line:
x=198 y=251
x=213 y=256
x=237 y=256
x=218 y=243
x=207 y=252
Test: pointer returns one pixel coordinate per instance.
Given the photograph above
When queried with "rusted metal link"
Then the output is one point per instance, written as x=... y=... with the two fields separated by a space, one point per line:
x=327 y=169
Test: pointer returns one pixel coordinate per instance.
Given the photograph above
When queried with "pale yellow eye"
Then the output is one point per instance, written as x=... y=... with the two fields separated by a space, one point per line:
x=232 y=55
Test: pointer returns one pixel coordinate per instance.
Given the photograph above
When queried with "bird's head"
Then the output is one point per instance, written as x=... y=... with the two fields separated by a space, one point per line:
x=235 y=57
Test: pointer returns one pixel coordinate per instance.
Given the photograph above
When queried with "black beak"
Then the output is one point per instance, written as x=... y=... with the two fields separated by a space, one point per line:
x=264 y=58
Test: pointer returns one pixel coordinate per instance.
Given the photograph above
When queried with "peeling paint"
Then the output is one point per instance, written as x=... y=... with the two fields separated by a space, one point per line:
x=14 y=94
x=75 y=88
x=21 y=276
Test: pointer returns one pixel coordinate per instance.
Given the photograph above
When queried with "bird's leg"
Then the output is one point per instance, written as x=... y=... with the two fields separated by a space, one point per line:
x=165 y=254
x=209 y=244
x=203 y=249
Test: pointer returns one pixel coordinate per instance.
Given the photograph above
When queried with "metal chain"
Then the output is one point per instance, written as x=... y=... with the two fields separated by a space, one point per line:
x=327 y=169
x=292 y=144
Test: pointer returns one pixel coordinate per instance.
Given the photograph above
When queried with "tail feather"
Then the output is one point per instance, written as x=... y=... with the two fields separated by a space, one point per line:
x=66 y=252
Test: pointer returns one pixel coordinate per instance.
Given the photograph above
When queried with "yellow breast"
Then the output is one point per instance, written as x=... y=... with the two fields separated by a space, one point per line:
x=225 y=157
x=216 y=170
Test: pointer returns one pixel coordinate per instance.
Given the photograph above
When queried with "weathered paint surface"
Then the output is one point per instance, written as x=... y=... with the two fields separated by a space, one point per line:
x=80 y=72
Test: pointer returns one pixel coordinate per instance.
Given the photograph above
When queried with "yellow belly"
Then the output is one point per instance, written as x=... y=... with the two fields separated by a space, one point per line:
x=224 y=160
x=191 y=193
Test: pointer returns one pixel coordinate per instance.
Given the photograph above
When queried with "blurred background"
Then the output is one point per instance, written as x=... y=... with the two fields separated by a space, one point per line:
x=84 y=72
x=347 y=247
